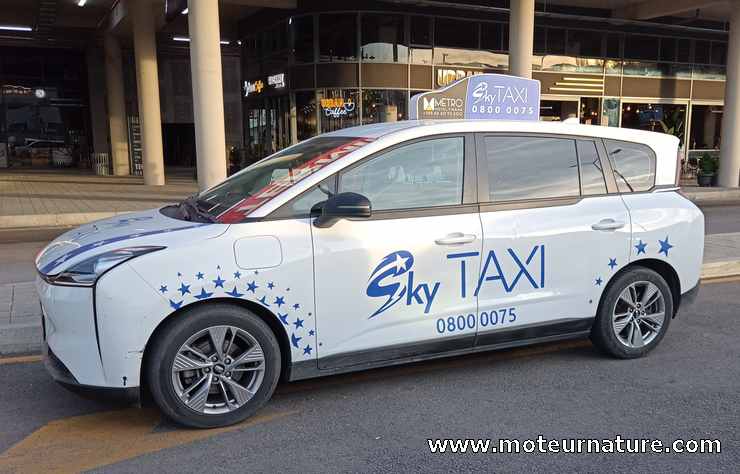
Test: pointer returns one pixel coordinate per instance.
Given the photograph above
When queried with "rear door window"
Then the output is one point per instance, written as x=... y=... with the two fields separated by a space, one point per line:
x=592 y=175
x=527 y=167
x=633 y=165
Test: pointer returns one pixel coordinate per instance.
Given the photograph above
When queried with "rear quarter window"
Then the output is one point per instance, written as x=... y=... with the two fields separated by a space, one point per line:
x=633 y=165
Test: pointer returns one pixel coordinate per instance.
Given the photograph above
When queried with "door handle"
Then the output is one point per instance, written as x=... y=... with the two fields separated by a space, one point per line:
x=608 y=224
x=455 y=238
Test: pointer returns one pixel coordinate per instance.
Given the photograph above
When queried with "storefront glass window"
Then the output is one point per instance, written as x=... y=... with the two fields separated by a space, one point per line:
x=668 y=49
x=590 y=110
x=641 y=47
x=583 y=43
x=706 y=123
x=709 y=72
x=337 y=37
x=455 y=33
x=719 y=53
x=470 y=58
x=540 y=40
x=492 y=36
x=305 y=102
x=648 y=68
x=383 y=105
x=701 y=52
x=421 y=56
x=556 y=41
x=610 y=114
x=339 y=109
x=683 y=50
x=383 y=38
x=613 y=41
x=421 y=30
x=665 y=118
x=303 y=35
x=567 y=64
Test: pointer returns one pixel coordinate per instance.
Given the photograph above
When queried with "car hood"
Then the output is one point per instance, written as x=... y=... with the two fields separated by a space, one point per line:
x=125 y=230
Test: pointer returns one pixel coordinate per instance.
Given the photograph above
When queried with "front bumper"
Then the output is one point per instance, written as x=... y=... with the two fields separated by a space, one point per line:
x=61 y=374
x=690 y=296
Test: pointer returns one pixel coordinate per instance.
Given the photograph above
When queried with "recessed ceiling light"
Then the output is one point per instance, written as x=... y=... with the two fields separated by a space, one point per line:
x=81 y=3
x=15 y=28
x=180 y=38
x=184 y=12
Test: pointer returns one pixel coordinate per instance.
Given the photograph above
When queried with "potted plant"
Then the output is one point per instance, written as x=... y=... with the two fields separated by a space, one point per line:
x=707 y=170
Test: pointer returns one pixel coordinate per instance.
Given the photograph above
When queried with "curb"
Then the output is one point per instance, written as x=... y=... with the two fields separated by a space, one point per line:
x=54 y=220
x=26 y=338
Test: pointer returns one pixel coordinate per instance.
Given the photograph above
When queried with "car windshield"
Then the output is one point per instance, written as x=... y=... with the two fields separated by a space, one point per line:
x=232 y=200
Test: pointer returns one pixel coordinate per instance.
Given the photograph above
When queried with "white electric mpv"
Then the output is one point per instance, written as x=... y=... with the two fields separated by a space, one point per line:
x=373 y=246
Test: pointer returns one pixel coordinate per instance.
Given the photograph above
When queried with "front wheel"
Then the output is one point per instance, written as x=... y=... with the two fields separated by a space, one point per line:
x=214 y=365
x=634 y=314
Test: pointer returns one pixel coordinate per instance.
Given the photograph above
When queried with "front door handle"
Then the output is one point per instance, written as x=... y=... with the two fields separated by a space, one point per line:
x=608 y=224
x=455 y=238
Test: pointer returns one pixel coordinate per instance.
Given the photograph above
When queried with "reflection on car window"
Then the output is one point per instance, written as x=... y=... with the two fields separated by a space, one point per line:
x=592 y=176
x=422 y=174
x=232 y=200
x=634 y=165
x=531 y=168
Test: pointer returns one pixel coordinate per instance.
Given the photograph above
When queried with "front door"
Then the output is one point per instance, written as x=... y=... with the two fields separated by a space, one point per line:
x=553 y=236
x=391 y=286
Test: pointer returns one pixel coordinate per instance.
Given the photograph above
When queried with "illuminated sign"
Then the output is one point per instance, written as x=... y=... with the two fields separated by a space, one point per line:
x=276 y=80
x=448 y=76
x=337 y=107
x=252 y=87
x=480 y=96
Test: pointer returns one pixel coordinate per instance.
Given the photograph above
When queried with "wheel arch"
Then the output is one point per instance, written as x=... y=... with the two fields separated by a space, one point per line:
x=266 y=315
x=660 y=267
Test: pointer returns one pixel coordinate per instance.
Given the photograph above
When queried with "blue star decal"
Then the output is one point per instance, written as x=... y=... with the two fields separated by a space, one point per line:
x=284 y=318
x=219 y=282
x=295 y=340
x=311 y=332
x=179 y=274
x=296 y=306
x=199 y=275
x=287 y=289
x=664 y=246
x=237 y=274
x=263 y=300
x=256 y=272
x=640 y=247
x=612 y=263
x=307 y=350
x=298 y=323
x=163 y=289
x=218 y=267
x=280 y=300
x=271 y=285
x=599 y=281
x=235 y=293
x=252 y=286
x=184 y=289
x=175 y=304
x=203 y=294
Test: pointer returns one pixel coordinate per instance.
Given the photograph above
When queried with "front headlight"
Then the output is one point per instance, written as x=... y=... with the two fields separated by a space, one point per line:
x=87 y=272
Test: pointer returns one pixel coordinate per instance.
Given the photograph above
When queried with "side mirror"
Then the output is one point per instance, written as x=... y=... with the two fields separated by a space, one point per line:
x=343 y=206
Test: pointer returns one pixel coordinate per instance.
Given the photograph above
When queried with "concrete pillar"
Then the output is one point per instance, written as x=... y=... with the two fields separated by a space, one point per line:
x=147 y=83
x=729 y=168
x=116 y=106
x=208 y=97
x=521 y=37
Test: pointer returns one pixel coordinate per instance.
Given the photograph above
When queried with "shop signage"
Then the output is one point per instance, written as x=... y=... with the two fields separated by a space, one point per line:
x=480 y=96
x=276 y=80
x=448 y=76
x=337 y=107
x=253 y=87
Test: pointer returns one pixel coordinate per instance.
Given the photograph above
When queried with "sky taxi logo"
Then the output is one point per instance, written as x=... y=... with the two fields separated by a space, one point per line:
x=394 y=279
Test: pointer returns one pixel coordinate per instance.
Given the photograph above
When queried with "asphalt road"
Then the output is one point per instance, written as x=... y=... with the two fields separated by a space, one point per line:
x=18 y=248
x=379 y=421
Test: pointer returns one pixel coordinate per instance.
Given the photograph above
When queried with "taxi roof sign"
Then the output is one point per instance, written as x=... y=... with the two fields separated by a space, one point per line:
x=481 y=96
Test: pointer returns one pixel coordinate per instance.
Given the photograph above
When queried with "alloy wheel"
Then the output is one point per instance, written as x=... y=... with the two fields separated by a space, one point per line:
x=638 y=314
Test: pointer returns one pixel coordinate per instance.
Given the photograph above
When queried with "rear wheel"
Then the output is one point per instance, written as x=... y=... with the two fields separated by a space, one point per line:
x=634 y=314
x=213 y=366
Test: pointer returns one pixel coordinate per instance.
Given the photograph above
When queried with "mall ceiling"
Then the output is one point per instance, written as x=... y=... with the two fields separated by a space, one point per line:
x=65 y=23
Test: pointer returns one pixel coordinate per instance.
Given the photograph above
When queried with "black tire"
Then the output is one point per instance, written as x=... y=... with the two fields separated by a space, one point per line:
x=178 y=331
x=603 y=334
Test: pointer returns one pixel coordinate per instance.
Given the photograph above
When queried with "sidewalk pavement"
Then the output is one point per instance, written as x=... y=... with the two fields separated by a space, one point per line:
x=20 y=311
x=32 y=199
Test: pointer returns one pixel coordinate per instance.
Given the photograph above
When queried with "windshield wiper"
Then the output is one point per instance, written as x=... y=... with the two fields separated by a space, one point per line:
x=189 y=208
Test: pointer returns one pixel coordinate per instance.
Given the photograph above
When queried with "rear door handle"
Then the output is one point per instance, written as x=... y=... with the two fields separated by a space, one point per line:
x=608 y=224
x=455 y=238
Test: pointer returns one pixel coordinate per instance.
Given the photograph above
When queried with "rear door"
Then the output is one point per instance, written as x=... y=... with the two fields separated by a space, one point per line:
x=553 y=235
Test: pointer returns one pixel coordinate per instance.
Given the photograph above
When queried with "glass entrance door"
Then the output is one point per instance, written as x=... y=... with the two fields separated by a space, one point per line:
x=559 y=110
